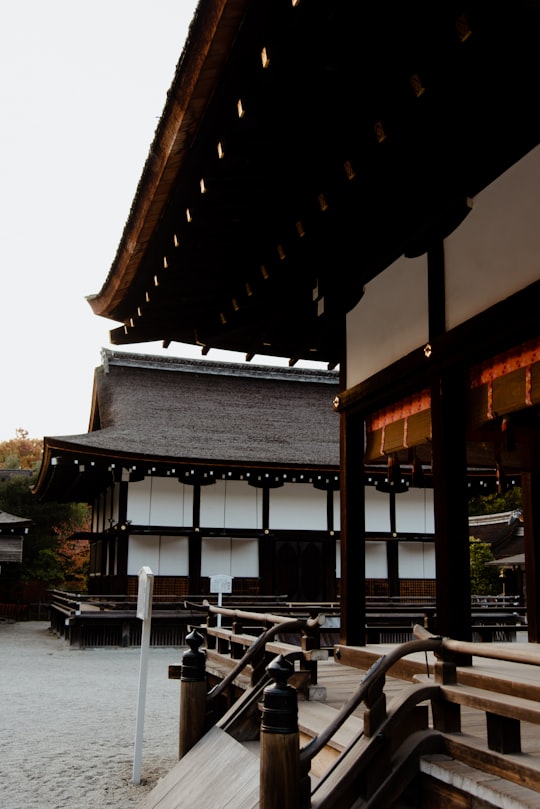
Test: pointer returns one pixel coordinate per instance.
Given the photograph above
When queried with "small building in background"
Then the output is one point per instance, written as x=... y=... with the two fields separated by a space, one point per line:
x=12 y=532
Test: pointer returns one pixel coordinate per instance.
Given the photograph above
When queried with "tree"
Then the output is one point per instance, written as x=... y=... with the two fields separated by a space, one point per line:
x=48 y=554
x=484 y=577
x=73 y=554
x=495 y=503
x=21 y=452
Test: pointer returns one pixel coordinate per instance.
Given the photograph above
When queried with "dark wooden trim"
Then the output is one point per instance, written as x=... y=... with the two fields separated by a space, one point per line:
x=329 y=561
x=122 y=546
x=266 y=563
x=266 y=508
x=194 y=550
x=196 y=505
x=353 y=529
x=330 y=509
x=123 y=501
x=392 y=561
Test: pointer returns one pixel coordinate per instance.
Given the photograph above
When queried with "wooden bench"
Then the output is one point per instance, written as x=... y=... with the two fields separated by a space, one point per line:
x=504 y=713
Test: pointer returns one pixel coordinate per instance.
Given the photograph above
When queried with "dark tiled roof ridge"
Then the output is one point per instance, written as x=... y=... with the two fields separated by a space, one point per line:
x=218 y=367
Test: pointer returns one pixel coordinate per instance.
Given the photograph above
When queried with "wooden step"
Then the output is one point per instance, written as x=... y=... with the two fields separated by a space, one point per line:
x=313 y=718
x=485 y=789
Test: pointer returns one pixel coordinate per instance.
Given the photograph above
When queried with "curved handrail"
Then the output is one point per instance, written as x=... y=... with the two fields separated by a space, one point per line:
x=337 y=778
x=286 y=625
x=265 y=617
x=379 y=668
x=487 y=650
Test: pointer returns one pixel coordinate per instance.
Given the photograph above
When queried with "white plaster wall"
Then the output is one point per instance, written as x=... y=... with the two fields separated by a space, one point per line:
x=160 y=501
x=390 y=321
x=416 y=560
x=496 y=250
x=167 y=502
x=414 y=512
x=377 y=510
x=231 y=504
x=298 y=506
x=229 y=556
x=376 y=560
x=164 y=555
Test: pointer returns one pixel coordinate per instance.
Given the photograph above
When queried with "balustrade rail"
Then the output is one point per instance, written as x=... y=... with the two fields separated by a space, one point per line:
x=384 y=758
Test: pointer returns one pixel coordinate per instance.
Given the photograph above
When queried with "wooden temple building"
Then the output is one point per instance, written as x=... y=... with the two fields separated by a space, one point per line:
x=359 y=184
x=12 y=532
x=200 y=469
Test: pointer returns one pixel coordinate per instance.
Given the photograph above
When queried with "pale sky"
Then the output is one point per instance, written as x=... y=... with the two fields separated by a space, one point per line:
x=82 y=87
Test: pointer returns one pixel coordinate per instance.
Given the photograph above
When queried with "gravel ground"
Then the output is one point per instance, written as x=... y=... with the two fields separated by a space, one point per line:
x=68 y=717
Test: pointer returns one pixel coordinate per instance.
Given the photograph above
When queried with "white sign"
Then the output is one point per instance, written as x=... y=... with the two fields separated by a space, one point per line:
x=221 y=584
x=144 y=612
x=146 y=590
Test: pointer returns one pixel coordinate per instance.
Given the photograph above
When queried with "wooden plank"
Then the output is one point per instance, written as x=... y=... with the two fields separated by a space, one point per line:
x=192 y=782
x=492 y=791
x=220 y=666
x=501 y=704
x=517 y=767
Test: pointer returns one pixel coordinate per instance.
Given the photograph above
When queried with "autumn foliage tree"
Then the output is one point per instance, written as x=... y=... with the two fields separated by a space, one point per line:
x=21 y=452
x=73 y=554
x=50 y=557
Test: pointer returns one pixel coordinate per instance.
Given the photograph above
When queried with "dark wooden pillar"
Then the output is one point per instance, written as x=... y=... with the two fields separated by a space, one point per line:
x=392 y=564
x=353 y=531
x=267 y=552
x=449 y=458
x=194 y=562
x=123 y=501
x=530 y=490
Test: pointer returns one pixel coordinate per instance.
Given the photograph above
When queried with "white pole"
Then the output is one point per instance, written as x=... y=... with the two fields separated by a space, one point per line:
x=144 y=612
x=139 y=728
x=219 y=603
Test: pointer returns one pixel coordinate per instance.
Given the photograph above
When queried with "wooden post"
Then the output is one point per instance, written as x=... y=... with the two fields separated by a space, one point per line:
x=353 y=532
x=530 y=487
x=192 y=694
x=452 y=559
x=280 y=751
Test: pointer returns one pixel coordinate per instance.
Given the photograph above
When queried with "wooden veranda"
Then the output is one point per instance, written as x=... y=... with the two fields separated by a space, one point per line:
x=372 y=726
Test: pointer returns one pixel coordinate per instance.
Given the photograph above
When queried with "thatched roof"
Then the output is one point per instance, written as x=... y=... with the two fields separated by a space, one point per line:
x=182 y=411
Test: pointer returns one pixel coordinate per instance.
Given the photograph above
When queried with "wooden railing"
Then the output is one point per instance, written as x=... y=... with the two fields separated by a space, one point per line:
x=382 y=759
x=379 y=763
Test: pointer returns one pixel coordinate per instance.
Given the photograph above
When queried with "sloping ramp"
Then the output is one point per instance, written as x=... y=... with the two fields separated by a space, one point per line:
x=217 y=772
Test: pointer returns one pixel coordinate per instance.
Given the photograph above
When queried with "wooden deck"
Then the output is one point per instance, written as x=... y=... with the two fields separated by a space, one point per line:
x=192 y=782
x=506 y=678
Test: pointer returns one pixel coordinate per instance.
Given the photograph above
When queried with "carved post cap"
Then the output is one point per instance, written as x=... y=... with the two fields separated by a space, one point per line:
x=280 y=701
x=194 y=661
